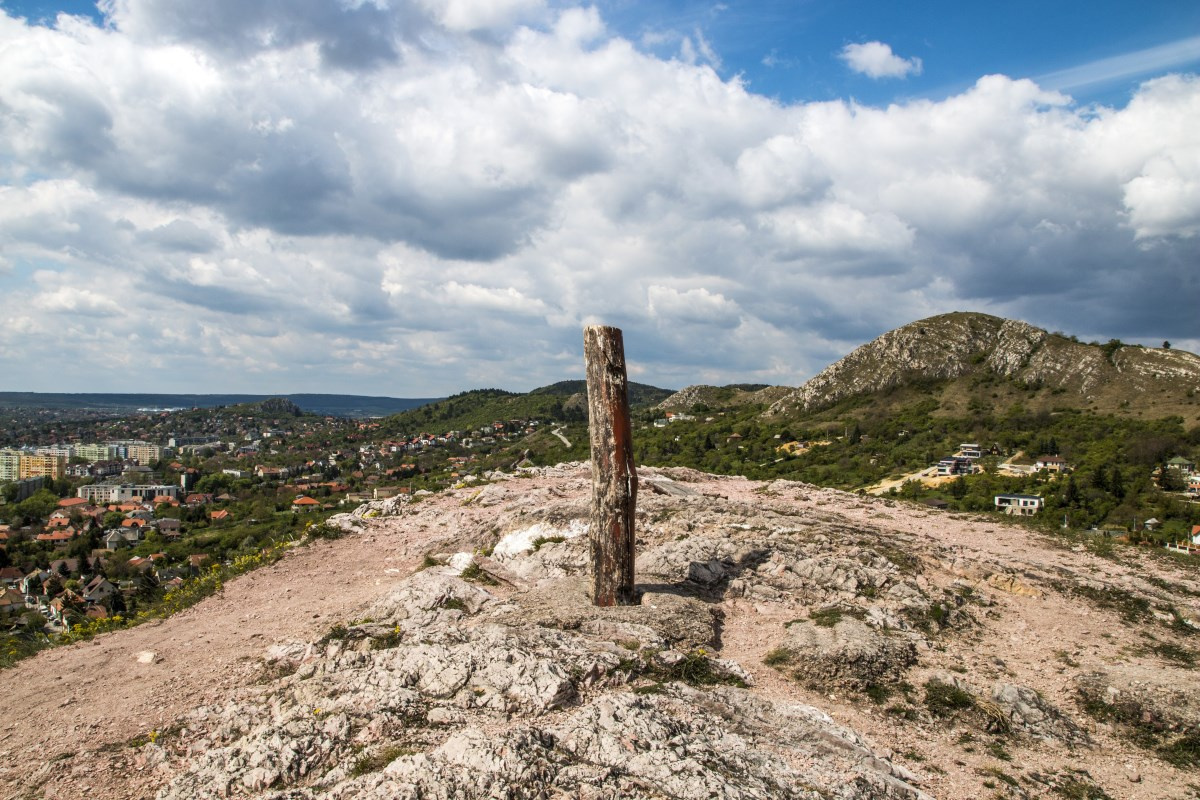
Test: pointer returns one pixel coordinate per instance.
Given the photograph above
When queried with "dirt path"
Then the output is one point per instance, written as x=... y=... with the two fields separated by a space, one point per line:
x=84 y=703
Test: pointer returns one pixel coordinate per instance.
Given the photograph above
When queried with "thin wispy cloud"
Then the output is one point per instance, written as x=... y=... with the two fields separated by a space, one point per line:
x=1173 y=55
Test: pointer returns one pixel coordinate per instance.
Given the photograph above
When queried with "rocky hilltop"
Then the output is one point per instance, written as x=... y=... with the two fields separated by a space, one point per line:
x=721 y=397
x=791 y=642
x=961 y=344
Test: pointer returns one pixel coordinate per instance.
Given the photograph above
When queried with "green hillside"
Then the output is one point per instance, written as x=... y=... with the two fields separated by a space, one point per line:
x=1119 y=475
x=561 y=402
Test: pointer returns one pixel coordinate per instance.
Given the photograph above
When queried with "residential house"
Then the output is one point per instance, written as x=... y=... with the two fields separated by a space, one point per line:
x=120 y=537
x=219 y=515
x=72 y=502
x=1184 y=465
x=98 y=590
x=170 y=528
x=955 y=465
x=59 y=519
x=104 y=469
x=62 y=606
x=272 y=473
x=11 y=602
x=970 y=450
x=57 y=536
x=32 y=582
x=1020 y=505
x=1051 y=464
x=305 y=503
x=10 y=577
x=71 y=565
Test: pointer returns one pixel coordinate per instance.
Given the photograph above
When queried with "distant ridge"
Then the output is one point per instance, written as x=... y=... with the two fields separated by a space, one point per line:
x=640 y=394
x=340 y=405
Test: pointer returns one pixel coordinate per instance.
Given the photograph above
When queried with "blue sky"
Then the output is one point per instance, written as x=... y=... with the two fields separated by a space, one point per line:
x=788 y=49
x=1098 y=51
x=415 y=197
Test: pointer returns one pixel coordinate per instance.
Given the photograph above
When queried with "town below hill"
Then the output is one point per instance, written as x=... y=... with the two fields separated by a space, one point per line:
x=71 y=405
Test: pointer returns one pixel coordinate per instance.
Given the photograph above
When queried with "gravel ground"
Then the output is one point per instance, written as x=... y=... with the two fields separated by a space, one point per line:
x=71 y=718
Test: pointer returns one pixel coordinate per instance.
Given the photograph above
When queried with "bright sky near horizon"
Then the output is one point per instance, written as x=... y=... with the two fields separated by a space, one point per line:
x=413 y=197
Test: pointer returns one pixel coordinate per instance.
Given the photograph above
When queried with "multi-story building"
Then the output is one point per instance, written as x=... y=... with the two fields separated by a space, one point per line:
x=33 y=465
x=190 y=441
x=64 y=450
x=124 y=492
x=17 y=465
x=145 y=453
x=138 y=451
x=96 y=452
x=10 y=465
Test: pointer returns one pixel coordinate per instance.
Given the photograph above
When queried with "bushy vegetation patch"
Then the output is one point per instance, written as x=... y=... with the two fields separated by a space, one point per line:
x=829 y=617
x=375 y=761
x=1146 y=727
x=474 y=573
x=1132 y=608
x=779 y=657
x=945 y=699
x=541 y=540
x=695 y=668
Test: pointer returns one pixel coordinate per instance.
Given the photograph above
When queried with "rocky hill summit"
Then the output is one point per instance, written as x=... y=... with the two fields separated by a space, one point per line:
x=962 y=344
x=690 y=397
x=791 y=642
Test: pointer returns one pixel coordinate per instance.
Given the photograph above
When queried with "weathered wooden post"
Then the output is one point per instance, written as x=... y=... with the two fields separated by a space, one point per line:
x=614 y=479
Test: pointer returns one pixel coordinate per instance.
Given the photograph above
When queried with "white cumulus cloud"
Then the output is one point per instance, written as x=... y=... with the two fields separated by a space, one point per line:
x=412 y=199
x=876 y=60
